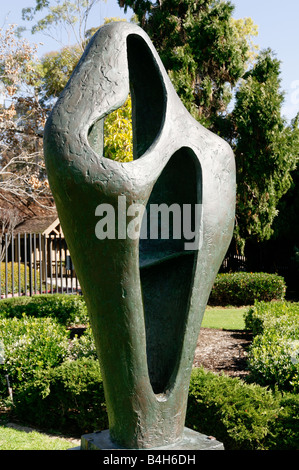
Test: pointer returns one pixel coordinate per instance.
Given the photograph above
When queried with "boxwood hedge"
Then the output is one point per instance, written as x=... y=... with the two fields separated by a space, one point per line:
x=244 y=288
x=70 y=397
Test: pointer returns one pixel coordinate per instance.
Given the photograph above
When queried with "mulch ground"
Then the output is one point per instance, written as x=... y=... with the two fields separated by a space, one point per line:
x=223 y=351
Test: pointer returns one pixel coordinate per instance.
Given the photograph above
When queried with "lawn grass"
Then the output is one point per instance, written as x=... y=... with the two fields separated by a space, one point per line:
x=14 y=439
x=226 y=318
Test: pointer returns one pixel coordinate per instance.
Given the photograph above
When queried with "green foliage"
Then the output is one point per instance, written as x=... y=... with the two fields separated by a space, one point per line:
x=273 y=358
x=236 y=414
x=83 y=346
x=266 y=149
x=55 y=69
x=286 y=224
x=65 y=309
x=118 y=134
x=34 y=336
x=204 y=50
x=31 y=344
x=54 y=392
x=68 y=397
x=15 y=283
x=206 y=53
x=262 y=315
x=244 y=288
x=242 y=416
x=273 y=361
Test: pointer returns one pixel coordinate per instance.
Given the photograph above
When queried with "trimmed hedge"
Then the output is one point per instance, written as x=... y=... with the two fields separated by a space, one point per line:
x=66 y=309
x=262 y=314
x=273 y=358
x=69 y=398
x=30 y=344
x=244 y=288
x=242 y=416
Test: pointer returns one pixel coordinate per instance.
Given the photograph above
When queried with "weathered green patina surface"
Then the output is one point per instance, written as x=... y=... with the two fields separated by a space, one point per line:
x=146 y=297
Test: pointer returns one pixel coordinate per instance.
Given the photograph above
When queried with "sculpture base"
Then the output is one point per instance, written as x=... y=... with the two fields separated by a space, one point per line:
x=191 y=440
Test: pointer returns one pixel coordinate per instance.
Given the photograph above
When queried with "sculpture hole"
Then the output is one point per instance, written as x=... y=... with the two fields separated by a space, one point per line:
x=148 y=95
x=166 y=269
x=126 y=133
x=118 y=133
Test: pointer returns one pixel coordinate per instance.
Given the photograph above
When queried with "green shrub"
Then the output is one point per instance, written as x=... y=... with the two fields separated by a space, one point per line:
x=31 y=344
x=273 y=358
x=69 y=397
x=237 y=414
x=66 y=309
x=242 y=416
x=284 y=430
x=273 y=361
x=16 y=278
x=263 y=314
x=83 y=346
x=244 y=288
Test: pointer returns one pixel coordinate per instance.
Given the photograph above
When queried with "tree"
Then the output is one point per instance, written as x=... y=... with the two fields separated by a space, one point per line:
x=65 y=16
x=204 y=50
x=9 y=218
x=207 y=54
x=266 y=149
x=286 y=225
x=54 y=70
x=22 y=171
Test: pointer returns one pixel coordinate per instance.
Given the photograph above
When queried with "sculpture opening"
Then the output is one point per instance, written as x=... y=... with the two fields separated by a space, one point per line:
x=140 y=119
x=166 y=267
x=148 y=95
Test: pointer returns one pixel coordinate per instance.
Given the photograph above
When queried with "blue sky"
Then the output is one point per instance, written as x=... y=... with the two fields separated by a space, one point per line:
x=277 y=24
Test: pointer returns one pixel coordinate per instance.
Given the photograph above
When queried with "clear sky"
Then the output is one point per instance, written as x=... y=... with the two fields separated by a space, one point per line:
x=277 y=24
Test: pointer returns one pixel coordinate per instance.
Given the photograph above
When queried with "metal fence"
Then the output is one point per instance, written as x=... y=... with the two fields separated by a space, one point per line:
x=36 y=264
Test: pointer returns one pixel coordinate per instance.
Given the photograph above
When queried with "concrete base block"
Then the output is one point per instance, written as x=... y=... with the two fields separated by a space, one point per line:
x=191 y=440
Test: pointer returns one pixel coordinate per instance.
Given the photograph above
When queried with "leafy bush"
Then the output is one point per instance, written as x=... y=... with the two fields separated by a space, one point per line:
x=273 y=361
x=273 y=357
x=244 y=288
x=68 y=397
x=285 y=429
x=31 y=344
x=16 y=277
x=242 y=416
x=66 y=309
x=83 y=346
x=118 y=133
x=262 y=315
x=236 y=414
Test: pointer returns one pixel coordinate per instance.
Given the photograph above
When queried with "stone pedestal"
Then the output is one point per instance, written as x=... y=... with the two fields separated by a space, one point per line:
x=191 y=440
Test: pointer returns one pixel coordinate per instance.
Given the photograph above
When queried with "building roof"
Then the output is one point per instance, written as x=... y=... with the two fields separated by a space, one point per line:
x=40 y=224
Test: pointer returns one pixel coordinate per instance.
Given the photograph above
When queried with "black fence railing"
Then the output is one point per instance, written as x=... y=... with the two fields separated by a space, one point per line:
x=34 y=264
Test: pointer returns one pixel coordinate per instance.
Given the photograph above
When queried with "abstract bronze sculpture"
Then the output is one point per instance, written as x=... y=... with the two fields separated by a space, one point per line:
x=146 y=297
